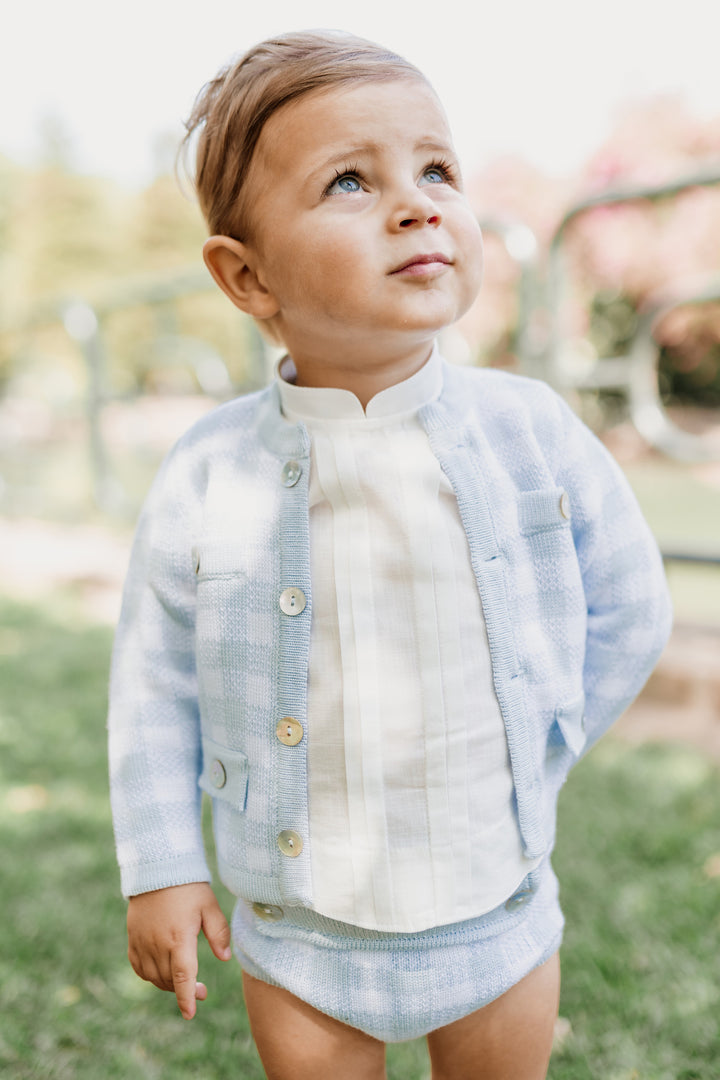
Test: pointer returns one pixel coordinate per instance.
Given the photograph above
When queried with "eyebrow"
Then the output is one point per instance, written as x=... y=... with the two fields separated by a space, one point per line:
x=347 y=153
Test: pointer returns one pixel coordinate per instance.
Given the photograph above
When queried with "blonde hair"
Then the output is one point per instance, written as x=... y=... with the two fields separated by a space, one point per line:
x=231 y=110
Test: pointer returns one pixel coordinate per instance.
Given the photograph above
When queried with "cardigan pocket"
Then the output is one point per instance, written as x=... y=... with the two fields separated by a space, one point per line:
x=538 y=511
x=217 y=559
x=224 y=774
x=229 y=610
x=548 y=586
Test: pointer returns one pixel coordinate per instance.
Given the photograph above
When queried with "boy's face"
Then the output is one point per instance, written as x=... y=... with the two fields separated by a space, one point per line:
x=358 y=225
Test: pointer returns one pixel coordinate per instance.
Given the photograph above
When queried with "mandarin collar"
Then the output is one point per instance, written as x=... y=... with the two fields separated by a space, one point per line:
x=316 y=403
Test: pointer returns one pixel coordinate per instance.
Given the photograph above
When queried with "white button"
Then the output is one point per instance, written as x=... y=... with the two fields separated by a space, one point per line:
x=565 y=504
x=518 y=899
x=218 y=774
x=292 y=471
x=269 y=912
x=292 y=601
x=290 y=843
x=289 y=731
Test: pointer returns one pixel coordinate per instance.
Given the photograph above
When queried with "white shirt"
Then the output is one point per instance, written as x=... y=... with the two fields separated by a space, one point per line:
x=410 y=791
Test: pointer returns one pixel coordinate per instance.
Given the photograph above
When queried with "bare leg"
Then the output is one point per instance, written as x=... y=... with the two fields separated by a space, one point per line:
x=509 y=1039
x=296 y=1042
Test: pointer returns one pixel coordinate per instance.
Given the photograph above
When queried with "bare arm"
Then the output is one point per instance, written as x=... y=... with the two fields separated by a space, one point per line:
x=163 y=928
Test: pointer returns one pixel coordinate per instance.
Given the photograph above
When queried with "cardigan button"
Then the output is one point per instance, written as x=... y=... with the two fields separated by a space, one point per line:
x=518 y=899
x=218 y=776
x=292 y=471
x=269 y=912
x=565 y=504
x=292 y=601
x=289 y=731
x=290 y=843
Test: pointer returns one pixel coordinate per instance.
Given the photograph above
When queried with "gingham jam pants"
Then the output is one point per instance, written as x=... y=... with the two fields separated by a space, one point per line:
x=401 y=986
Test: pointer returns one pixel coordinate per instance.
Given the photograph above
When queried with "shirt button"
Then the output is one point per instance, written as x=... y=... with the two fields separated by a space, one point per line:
x=292 y=471
x=518 y=899
x=289 y=731
x=292 y=601
x=269 y=912
x=218 y=776
x=290 y=843
x=565 y=504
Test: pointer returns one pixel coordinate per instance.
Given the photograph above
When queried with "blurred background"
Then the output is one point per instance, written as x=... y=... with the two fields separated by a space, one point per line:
x=590 y=140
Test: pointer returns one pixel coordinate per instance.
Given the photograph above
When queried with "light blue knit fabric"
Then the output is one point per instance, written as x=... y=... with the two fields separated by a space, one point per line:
x=206 y=662
x=401 y=986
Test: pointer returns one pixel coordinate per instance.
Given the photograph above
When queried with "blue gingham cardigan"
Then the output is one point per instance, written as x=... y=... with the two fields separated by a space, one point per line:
x=206 y=662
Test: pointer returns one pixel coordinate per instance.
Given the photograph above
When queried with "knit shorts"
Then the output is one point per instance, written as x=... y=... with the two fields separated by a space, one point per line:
x=401 y=986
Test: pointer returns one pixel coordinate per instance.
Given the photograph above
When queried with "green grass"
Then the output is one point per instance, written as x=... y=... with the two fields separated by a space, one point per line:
x=638 y=829
x=640 y=964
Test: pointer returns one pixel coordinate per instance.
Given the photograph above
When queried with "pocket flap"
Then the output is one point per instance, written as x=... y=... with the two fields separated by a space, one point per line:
x=224 y=773
x=220 y=558
x=548 y=508
x=570 y=719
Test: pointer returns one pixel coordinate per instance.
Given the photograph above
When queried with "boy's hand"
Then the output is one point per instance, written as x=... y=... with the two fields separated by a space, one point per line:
x=163 y=928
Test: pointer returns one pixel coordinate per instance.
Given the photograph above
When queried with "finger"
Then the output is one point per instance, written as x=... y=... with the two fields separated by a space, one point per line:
x=216 y=930
x=162 y=977
x=146 y=968
x=200 y=991
x=184 y=976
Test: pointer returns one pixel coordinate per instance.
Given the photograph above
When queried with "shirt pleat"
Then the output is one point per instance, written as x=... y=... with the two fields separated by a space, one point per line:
x=420 y=489
x=450 y=601
x=362 y=714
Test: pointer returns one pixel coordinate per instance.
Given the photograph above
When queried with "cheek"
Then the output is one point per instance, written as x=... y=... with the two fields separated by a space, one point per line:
x=337 y=250
x=473 y=262
x=481 y=251
x=313 y=279
x=479 y=262
x=335 y=266
x=474 y=241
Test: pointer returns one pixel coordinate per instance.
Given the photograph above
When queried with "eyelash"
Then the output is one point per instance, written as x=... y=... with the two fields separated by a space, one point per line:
x=441 y=165
x=339 y=173
x=353 y=171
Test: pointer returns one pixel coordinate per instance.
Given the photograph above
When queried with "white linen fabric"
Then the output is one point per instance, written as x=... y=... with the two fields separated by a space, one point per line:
x=411 y=800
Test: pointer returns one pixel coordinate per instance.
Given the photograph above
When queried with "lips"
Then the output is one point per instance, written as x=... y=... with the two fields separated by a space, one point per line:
x=420 y=261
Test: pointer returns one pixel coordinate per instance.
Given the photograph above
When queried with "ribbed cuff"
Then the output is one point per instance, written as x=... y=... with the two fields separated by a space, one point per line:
x=162 y=875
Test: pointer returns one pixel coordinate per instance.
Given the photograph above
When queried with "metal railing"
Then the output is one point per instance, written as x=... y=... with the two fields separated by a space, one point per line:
x=84 y=322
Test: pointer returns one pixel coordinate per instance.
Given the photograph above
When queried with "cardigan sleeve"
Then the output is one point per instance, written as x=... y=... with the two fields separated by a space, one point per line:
x=154 y=729
x=629 y=613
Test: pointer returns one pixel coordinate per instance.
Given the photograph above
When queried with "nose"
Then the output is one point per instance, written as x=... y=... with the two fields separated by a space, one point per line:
x=415 y=209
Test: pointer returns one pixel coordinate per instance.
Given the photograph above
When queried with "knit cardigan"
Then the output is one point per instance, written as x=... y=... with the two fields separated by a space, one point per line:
x=212 y=652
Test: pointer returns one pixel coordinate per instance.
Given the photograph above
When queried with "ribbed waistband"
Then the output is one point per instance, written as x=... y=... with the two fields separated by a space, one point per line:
x=302 y=922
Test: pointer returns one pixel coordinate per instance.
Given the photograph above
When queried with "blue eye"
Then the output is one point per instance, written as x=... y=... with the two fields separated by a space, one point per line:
x=346 y=185
x=434 y=175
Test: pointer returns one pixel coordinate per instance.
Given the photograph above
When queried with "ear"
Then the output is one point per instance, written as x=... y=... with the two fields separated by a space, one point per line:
x=234 y=267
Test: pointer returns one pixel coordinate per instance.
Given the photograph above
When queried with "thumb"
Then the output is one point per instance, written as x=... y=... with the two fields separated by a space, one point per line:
x=216 y=930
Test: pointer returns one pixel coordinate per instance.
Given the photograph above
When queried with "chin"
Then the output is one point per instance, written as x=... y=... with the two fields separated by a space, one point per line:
x=432 y=322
